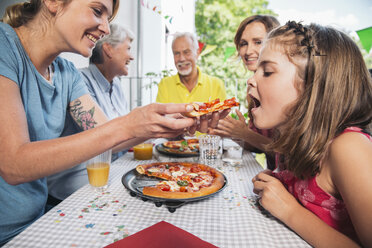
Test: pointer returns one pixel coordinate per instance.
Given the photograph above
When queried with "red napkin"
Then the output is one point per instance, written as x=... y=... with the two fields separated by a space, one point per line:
x=162 y=235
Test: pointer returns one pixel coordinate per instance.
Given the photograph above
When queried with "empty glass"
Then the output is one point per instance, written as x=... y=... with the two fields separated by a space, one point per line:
x=232 y=151
x=209 y=149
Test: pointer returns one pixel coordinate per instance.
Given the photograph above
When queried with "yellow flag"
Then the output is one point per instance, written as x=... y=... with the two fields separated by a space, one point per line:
x=208 y=49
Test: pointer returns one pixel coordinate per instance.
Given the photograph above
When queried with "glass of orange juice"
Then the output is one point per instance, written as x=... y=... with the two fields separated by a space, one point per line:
x=143 y=151
x=98 y=169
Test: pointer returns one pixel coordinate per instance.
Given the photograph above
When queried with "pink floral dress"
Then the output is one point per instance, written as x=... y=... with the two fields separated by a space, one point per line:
x=328 y=208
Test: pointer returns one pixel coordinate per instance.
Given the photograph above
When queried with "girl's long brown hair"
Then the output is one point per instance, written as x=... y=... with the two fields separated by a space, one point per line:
x=20 y=13
x=337 y=93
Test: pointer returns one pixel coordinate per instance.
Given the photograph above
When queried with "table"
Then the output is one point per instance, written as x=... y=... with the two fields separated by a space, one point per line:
x=231 y=218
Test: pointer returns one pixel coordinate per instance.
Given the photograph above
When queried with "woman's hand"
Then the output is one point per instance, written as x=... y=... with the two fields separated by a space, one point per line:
x=229 y=127
x=158 y=120
x=274 y=196
x=164 y=120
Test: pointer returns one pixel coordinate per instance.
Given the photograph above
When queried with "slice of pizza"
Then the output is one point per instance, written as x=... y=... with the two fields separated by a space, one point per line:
x=211 y=106
x=181 y=180
x=182 y=145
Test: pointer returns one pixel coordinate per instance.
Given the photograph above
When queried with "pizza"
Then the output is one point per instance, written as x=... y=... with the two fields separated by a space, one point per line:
x=181 y=179
x=211 y=106
x=172 y=151
x=182 y=145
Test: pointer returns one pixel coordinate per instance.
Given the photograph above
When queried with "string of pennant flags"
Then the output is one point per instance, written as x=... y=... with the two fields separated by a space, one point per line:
x=157 y=10
x=204 y=48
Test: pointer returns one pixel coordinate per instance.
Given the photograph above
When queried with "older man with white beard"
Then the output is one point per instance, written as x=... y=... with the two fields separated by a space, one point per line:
x=189 y=84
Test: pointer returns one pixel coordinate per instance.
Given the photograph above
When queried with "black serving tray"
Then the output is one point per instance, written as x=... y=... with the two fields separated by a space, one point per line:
x=135 y=182
x=175 y=152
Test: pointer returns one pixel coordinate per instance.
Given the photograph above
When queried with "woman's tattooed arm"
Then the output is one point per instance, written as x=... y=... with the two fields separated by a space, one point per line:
x=85 y=119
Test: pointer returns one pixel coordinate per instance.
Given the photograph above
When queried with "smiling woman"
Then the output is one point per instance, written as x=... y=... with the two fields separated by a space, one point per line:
x=39 y=89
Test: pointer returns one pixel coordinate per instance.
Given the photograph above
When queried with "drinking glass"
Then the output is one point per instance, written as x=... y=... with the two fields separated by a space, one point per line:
x=209 y=149
x=232 y=151
x=98 y=169
x=143 y=151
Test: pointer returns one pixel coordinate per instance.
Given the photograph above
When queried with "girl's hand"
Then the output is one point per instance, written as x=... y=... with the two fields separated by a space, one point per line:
x=209 y=121
x=274 y=196
x=229 y=127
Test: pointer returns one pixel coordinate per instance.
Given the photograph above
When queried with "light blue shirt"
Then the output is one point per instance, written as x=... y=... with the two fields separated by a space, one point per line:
x=45 y=106
x=110 y=97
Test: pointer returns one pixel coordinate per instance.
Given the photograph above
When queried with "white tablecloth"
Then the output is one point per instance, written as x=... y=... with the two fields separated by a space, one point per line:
x=231 y=218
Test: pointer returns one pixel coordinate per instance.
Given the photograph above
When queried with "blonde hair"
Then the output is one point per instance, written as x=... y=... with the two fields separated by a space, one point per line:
x=336 y=93
x=19 y=14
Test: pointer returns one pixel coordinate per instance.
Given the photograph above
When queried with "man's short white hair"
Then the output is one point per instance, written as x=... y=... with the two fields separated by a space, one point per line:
x=189 y=35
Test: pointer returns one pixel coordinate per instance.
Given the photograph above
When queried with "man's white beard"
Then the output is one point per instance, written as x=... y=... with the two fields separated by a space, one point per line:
x=185 y=72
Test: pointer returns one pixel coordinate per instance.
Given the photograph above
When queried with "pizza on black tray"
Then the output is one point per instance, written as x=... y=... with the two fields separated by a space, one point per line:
x=181 y=179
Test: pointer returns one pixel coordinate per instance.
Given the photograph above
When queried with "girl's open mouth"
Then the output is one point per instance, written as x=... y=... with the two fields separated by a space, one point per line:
x=256 y=102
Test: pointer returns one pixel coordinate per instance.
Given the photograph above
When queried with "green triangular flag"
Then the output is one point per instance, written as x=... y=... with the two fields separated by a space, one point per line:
x=365 y=36
x=228 y=52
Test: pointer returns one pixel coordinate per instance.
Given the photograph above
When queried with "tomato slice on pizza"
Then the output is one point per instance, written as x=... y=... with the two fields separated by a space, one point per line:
x=211 y=106
x=181 y=179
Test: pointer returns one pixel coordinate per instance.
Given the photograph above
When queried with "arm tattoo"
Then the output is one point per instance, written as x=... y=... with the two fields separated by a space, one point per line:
x=83 y=118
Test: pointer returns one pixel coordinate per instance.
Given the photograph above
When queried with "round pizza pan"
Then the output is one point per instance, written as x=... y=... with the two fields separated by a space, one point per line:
x=135 y=182
x=175 y=152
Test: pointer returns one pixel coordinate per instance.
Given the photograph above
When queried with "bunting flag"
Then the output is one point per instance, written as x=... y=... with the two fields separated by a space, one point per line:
x=208 y=49
x=229 y=51
x=204 y=49
x=170 y=18
x=201 y=46
x=365 y=36
x=156 y=9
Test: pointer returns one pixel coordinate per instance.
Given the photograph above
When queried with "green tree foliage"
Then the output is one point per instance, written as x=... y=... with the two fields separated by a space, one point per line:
x=216 y=22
